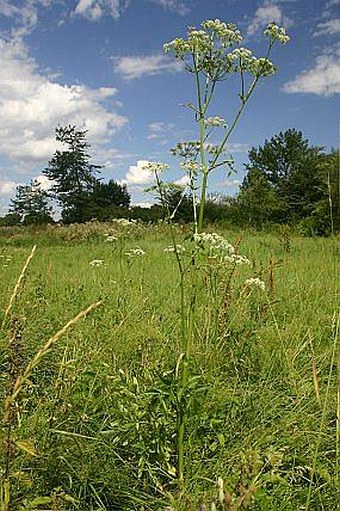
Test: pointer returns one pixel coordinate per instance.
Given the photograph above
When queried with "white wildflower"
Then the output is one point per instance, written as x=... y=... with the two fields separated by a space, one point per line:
x=240 y=53
x=191 y=167
x=110 y=238
x=215 y=121
x=277 y=33
x=135 y=252
x=171 y=248
x=214 y=243
x=155 y=166
x=124 y=221
x=97 y=262
x=217 y=247
x=237 y=259
x=255 y=282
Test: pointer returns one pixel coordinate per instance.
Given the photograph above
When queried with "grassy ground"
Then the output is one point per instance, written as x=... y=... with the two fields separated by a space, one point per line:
x=96 y=424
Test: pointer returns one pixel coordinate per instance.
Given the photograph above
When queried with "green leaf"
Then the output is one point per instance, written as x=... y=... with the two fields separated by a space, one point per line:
x=27 y=446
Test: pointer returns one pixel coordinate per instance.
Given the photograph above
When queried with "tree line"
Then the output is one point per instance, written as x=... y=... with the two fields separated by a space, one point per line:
x=288 y=181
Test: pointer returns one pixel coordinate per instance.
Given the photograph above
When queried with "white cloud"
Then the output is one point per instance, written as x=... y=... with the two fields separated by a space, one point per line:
x=137 y=175
x=44 y=182
x=323 y=79
x=159 y=131
x=236 y=147
x=93 y=10
x=330 y=27
x=24 y=14
x=183 y=181
x=331 y=3
x=173 y=5
x=264 y=15
x=8 y=10
x=33 y=106
x=232 y=182
x=8 y=187
x=130 y=68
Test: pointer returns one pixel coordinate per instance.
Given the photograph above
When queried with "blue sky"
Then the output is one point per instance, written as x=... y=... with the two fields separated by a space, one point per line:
x=99 y=64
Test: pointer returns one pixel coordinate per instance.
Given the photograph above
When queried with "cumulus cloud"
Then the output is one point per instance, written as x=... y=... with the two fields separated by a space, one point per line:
x=45 y=183
x=331 y=27
x=182 y=181
x=33 y=106
x=130 y=68
x=264 y=15
x=138 y=175
x=94 y=9
x=323 y=79
x=8 y=187
x=7 y=190
x=173 y=5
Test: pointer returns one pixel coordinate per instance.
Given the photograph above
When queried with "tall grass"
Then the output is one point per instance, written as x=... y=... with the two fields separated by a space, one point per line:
x=97 y=418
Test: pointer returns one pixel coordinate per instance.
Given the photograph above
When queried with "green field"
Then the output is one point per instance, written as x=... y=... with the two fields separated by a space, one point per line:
x=95 y=425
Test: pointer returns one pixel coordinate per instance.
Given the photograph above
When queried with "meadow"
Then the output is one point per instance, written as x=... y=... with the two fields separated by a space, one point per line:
x=95 y=422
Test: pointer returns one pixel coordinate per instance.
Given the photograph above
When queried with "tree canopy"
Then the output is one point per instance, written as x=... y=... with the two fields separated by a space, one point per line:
x=285 y=182
x=75 y=186
x=31 y=205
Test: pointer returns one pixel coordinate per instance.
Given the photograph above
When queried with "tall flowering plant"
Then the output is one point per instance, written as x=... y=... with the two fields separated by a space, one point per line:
x=211 y=54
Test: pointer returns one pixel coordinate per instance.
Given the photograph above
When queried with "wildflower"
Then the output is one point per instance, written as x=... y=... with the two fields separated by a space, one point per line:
x=191 y=167
x=262 y=67
x=171 y=248
x=237 y=259
x=97 y=262
x=110 y=238
x=240 y=53
x=206 y=41
x=155 y=166
x=217 y=247
x=215 y=121
x=135 y=252
x=255 y=282
x=124 y=221
x=227 y=32
x=213 y=243
x=188 y=149
x=276 y=33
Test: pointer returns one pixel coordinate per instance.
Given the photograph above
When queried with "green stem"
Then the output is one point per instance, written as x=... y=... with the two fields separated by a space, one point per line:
x=204 y=184
x=185 y=342
x=185 y=373
x=202 y=200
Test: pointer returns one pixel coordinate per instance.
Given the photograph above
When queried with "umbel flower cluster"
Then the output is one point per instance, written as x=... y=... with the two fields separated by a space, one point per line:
x=216 y=247
x=209 y=50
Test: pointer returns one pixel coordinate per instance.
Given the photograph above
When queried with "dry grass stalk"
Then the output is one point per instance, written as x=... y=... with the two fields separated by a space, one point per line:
x=43 y=351
x=17 y=285
x=5 y=492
